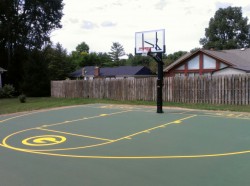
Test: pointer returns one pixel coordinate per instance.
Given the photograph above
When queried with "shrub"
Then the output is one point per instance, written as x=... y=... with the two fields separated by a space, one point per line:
x=7 y=91
x=22 y=98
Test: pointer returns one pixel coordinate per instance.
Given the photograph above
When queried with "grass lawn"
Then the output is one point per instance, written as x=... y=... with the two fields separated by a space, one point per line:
x=13 y=105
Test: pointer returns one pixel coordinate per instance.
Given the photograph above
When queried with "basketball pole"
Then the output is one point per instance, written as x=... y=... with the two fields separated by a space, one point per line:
x=158 y=59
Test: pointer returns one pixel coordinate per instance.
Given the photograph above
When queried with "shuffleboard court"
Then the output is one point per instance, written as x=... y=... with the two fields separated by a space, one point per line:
x=102 y=144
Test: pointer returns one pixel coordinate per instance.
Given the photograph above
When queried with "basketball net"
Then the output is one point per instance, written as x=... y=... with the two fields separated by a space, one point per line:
x=145 y=51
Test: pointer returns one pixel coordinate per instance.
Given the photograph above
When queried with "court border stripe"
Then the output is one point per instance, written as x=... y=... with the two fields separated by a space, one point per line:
x=126 y=157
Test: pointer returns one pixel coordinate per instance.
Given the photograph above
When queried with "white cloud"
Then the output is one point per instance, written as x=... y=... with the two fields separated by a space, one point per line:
x=222 y=5
x=161 y=4
x=73 y=20
x=108 y=24
x=99 y=23
x=89 y=25
x=247 y=9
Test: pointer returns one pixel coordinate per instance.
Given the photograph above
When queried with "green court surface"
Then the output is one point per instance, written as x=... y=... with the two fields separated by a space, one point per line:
x=116 y=145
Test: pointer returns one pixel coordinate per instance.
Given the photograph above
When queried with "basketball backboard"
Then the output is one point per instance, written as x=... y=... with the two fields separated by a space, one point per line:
x=153 y=41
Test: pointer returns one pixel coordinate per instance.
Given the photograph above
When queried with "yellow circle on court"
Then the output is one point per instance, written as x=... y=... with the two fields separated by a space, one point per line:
x=44 y=140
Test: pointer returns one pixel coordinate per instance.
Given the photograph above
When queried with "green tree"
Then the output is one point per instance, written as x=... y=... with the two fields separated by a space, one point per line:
x=36 y=81
x=117 y=51
x=25 y=25
x=173 y=57
x=138 y=60
x=59 y=65
x=227 y=30
x=82 y=48
x=105 y=59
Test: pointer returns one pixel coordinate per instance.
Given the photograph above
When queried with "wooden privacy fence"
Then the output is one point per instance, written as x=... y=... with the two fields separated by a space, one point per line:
x=215 y=90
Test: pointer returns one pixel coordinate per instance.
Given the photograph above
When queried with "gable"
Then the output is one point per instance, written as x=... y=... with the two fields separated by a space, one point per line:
x=193 y=62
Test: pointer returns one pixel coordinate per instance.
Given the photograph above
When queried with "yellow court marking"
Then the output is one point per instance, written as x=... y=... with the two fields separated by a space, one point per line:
x=44 y=152
x=89 y=146
x=130 y=157
x=85 y=118
x=72 y=134
x=39 y=111
x=44 y=140
x=1 y=121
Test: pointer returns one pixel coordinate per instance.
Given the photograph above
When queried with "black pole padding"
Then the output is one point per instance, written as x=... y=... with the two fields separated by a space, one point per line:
x=158 y=58
x=159 y=83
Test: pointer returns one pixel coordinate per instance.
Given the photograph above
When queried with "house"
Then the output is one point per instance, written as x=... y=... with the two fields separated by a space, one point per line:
x=121 y=72
x=1 y=72
x=211 y=62
x=80 y=73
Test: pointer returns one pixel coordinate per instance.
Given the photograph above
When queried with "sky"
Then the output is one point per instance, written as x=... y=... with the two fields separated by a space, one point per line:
x=100 y=23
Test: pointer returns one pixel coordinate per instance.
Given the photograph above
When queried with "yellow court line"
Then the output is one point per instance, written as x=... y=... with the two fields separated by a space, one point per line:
x=223 y=116
x=85 y=118
x=4 y=142
x=39 y=111
x=95 y=145
x=44 y=152
x=157 y=127
x=1 y=121
x=78 y=135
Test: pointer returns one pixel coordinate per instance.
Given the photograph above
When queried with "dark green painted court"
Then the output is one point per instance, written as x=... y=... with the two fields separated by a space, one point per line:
x=106 y=145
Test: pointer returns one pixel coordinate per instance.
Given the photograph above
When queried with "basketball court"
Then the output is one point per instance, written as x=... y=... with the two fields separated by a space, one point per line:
x=102 y=144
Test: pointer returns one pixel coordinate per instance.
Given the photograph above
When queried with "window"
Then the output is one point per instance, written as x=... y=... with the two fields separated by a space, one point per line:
x=194 y=63
x=208 y=62
x=222 y=65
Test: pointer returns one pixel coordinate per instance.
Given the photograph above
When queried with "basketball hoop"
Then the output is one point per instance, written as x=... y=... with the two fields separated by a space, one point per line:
x=145 y=51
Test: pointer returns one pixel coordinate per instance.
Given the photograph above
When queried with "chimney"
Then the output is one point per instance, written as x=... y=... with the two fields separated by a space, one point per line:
x=83 y=72
x=97 y=72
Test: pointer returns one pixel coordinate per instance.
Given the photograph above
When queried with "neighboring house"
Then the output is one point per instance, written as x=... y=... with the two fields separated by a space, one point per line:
x=1 y=71
x=80 y=73
x=121 y=72
x=211 y=62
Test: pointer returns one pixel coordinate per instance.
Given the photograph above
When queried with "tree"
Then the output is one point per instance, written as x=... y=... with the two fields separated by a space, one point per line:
x=139 y=60
x=227 y=30
x=173 y=57
x=25 y=26
x=59 y=65
x=117 y=51
x=105 y=59
x=35 y=79
x=83 y=47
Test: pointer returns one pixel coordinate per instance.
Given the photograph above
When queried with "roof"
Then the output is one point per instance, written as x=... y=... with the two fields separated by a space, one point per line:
x=237 y=58
x=247 y=70
x=114 y=71
x=78 y=73
x=182 y=58
x=2 y=70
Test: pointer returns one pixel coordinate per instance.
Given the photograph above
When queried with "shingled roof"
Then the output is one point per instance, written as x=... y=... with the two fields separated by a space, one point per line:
x=236 y=58
x=78 y=73
x=113 y=71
